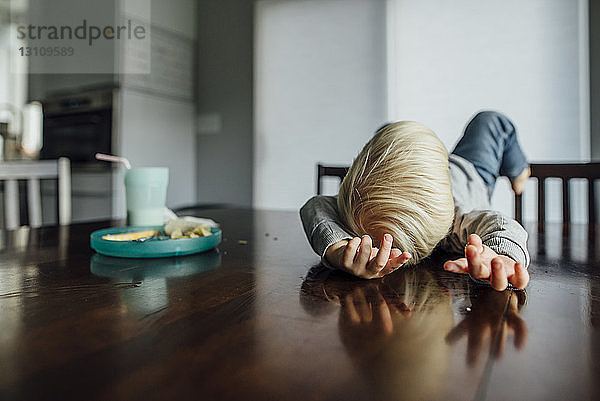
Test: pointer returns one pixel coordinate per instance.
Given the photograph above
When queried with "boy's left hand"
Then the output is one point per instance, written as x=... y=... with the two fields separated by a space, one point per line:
x=481 y=262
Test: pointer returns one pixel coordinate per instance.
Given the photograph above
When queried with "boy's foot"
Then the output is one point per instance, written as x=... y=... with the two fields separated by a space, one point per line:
x=518 y=183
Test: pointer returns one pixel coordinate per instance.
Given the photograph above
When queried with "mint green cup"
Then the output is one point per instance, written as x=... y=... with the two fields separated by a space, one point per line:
x=146 y=194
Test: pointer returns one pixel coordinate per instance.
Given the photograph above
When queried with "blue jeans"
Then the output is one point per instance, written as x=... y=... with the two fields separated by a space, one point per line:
x=490 y=143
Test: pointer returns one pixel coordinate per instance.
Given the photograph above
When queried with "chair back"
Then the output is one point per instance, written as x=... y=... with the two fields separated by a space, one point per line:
x=541 y=171
x=564 y=171
x=329 y=171
x=33 y=171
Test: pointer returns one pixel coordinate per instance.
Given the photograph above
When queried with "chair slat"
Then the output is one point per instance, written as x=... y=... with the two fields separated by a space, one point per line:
x=541 y=203
x=64 y=191
x=11 y=204
x=519 y=208
x=566 y=204
x=34 y=202
x=319 y=175
x=591 y=202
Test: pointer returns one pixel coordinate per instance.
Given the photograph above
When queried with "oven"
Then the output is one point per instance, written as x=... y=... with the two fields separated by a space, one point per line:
x=78 y=126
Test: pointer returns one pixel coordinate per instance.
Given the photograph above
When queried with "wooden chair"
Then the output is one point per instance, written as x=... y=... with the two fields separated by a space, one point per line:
x=33 y=171
x=329 y=171
x=541 y=171
x=564 y=171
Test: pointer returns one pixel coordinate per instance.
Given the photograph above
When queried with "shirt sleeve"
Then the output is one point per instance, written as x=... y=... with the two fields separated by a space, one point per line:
x=502 y=234
x=322 y=224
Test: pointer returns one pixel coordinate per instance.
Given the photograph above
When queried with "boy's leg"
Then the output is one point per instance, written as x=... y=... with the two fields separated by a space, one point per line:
x=490 y=143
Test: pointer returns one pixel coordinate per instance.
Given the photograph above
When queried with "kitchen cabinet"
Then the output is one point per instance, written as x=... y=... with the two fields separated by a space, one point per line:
x=153 y=115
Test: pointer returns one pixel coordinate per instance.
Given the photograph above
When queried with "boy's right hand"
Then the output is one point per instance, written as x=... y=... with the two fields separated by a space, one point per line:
x=359 y=257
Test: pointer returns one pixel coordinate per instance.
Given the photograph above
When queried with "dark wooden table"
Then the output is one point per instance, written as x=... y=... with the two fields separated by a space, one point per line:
x=262 y=321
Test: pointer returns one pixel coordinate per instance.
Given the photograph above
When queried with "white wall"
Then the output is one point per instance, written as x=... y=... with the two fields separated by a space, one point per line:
x=527 y=59
x=225 y=65
x=159 y=132
x=319 y=91
x=594 y=24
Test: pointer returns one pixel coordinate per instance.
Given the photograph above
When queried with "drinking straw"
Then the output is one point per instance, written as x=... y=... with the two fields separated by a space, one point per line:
x=115 y=159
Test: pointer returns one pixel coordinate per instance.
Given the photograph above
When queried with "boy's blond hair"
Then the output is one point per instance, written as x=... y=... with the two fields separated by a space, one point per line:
x=400 y=184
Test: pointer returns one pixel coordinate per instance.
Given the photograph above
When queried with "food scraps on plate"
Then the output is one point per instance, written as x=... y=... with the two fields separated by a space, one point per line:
x=131 y=236
x=175 y=229
x=179 y=228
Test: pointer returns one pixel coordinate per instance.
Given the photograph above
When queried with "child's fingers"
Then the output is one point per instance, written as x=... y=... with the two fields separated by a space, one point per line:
x=363 y=255
x=364 y=249
x=350 y=252
x=475 y=240
x=394 y=253
x=477 y=269
x=521 y=277
x=374 y=252
x=498 y=279
x=404 y=257
x=394 y=263
x=457 y=266
x=381 y=259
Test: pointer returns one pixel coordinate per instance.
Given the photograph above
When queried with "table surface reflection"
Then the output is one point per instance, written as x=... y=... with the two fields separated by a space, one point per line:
x=260 y=319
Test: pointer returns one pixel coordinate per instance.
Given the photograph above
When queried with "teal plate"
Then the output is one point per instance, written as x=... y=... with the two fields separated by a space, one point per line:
x=152 y=248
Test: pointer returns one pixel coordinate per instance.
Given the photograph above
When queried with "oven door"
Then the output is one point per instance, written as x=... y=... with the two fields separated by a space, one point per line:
x=78 y=136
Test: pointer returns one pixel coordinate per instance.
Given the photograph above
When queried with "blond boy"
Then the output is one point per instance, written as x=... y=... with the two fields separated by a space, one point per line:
x=404 y=193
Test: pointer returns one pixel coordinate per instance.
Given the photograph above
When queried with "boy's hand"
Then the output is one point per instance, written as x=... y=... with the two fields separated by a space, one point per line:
x=360 y=258
x=481 y=262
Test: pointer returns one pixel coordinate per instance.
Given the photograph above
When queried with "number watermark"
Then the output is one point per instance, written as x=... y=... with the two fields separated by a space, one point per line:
x=48 y=51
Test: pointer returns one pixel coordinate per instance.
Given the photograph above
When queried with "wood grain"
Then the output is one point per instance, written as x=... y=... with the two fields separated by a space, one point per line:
x=263 y=320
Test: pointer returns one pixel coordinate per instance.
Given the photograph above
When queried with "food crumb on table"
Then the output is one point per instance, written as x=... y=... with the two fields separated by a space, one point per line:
x=242 y=242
